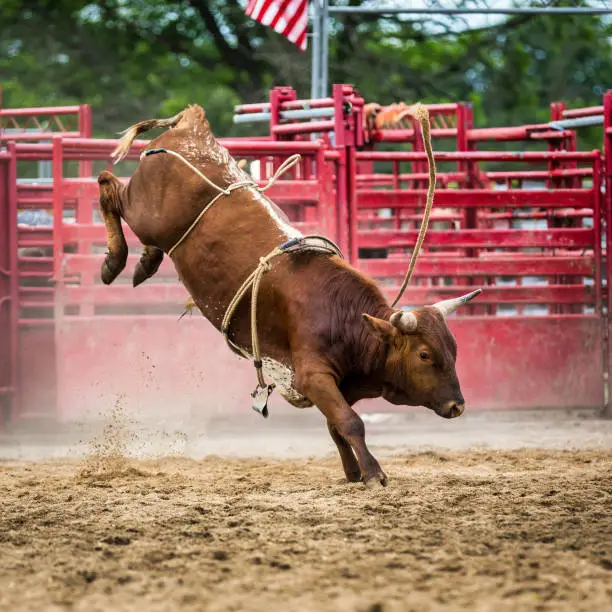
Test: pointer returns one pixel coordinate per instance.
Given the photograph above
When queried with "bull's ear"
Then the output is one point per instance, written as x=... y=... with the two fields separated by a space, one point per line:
x=380 y=328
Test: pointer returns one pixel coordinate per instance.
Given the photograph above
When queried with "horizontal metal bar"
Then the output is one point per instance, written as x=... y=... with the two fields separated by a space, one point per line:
x=47 y=111
x=476 y=198
x=311 y=113
x=251 y=108
x=518 y=132
x=36 y=322
x=355 y=10
x=20 y=130
x=538 y=174
x=153 y=294
x=499 y=294
x=510 y=156
x=252 y=118
x=40 y=135
x=304 y=128
x=401 y=135
x=565 y=124
x=287 y=105
x=271 y=147
x=35 y=181
x=587 y=111
x=506 y=265
x=479 y=238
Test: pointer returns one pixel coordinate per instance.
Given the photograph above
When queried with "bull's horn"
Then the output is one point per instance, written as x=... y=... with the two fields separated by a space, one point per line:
x=447 y=307
x=404 y=321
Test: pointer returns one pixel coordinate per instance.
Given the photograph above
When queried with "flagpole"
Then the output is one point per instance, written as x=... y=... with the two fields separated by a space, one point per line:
x=324 y=47
x=316 y=50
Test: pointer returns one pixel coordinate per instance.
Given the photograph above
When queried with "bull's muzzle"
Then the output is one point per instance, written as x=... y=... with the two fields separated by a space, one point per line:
x=451 y=410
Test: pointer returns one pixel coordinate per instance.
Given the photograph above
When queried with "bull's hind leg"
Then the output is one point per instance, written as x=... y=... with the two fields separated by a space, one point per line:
x=149 y=263
x=110 y=205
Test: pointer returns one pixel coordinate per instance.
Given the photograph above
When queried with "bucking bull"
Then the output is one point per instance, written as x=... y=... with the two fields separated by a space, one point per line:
x=327 y=335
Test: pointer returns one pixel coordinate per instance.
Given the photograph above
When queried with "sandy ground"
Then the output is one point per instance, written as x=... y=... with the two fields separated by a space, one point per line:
x=506 y=517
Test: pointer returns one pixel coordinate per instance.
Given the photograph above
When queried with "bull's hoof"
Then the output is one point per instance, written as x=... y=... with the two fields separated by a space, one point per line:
x=109 y=271
x=140 y=275
x=376 y=481
x=350 y=478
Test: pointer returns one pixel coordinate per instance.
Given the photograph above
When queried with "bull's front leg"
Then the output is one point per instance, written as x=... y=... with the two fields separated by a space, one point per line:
x=345 y=425
x=350 y=465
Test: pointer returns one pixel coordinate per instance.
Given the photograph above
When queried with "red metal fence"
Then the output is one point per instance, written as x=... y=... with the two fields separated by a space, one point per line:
x=8 y=281
x=36 y=124
x=539 y=218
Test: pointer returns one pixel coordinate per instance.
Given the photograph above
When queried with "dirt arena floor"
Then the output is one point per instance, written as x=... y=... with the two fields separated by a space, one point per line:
x=516 y=514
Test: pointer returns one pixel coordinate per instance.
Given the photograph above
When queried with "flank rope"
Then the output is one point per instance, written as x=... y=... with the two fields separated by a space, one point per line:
x=252 y=282
x=222 y=191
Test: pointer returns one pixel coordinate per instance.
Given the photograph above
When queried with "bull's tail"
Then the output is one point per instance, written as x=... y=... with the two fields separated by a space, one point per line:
x=129 y=135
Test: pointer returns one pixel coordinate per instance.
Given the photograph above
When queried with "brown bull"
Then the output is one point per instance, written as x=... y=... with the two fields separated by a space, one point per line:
x=327 y=335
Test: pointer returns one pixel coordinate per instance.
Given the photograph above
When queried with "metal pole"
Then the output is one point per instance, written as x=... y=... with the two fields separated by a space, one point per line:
x=45 y=168
x=578 y=122
x=264 y=117
x=316 y=50
x=324 y=47
x=469 y=11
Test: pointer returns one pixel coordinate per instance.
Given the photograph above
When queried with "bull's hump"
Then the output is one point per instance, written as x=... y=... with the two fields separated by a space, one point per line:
x=276 y=215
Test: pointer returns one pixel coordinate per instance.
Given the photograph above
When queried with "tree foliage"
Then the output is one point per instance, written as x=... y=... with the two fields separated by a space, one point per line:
x=133 y=59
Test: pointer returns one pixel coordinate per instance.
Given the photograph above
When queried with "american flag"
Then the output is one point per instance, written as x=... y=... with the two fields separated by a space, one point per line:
x=287 y=17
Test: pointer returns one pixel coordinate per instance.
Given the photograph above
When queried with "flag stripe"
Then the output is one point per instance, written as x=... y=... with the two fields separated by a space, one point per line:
x=287 y=17
x=279 y=13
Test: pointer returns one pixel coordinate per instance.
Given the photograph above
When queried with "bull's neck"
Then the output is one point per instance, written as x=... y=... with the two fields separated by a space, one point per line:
x=365 y=353
x=378 y=348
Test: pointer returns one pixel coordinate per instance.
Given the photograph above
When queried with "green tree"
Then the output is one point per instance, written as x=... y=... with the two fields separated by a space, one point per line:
x=141 y=58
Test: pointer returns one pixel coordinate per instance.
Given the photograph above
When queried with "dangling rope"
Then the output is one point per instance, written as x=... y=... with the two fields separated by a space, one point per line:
x=421 y=114
x=253 y=281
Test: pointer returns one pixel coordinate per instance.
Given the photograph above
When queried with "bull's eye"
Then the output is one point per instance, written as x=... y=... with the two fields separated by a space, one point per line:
x=424 y=356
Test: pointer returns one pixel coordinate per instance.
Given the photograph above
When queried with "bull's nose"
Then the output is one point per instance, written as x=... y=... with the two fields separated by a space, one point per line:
x=454 y=409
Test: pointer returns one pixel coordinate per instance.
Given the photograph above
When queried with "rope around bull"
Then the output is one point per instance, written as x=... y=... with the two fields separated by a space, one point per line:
x=253 y=281
x=284 y=167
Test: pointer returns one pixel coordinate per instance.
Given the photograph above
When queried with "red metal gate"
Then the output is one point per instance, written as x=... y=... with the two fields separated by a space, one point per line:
x=8 y=282
x=519 y=361
x=33 y=342
x=82 y=344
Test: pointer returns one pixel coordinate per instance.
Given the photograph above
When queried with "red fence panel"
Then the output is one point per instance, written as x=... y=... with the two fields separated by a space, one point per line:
x=500 y=253
x=9 y=286
x=492 y=225
x=607 y=110
x=31 y=124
